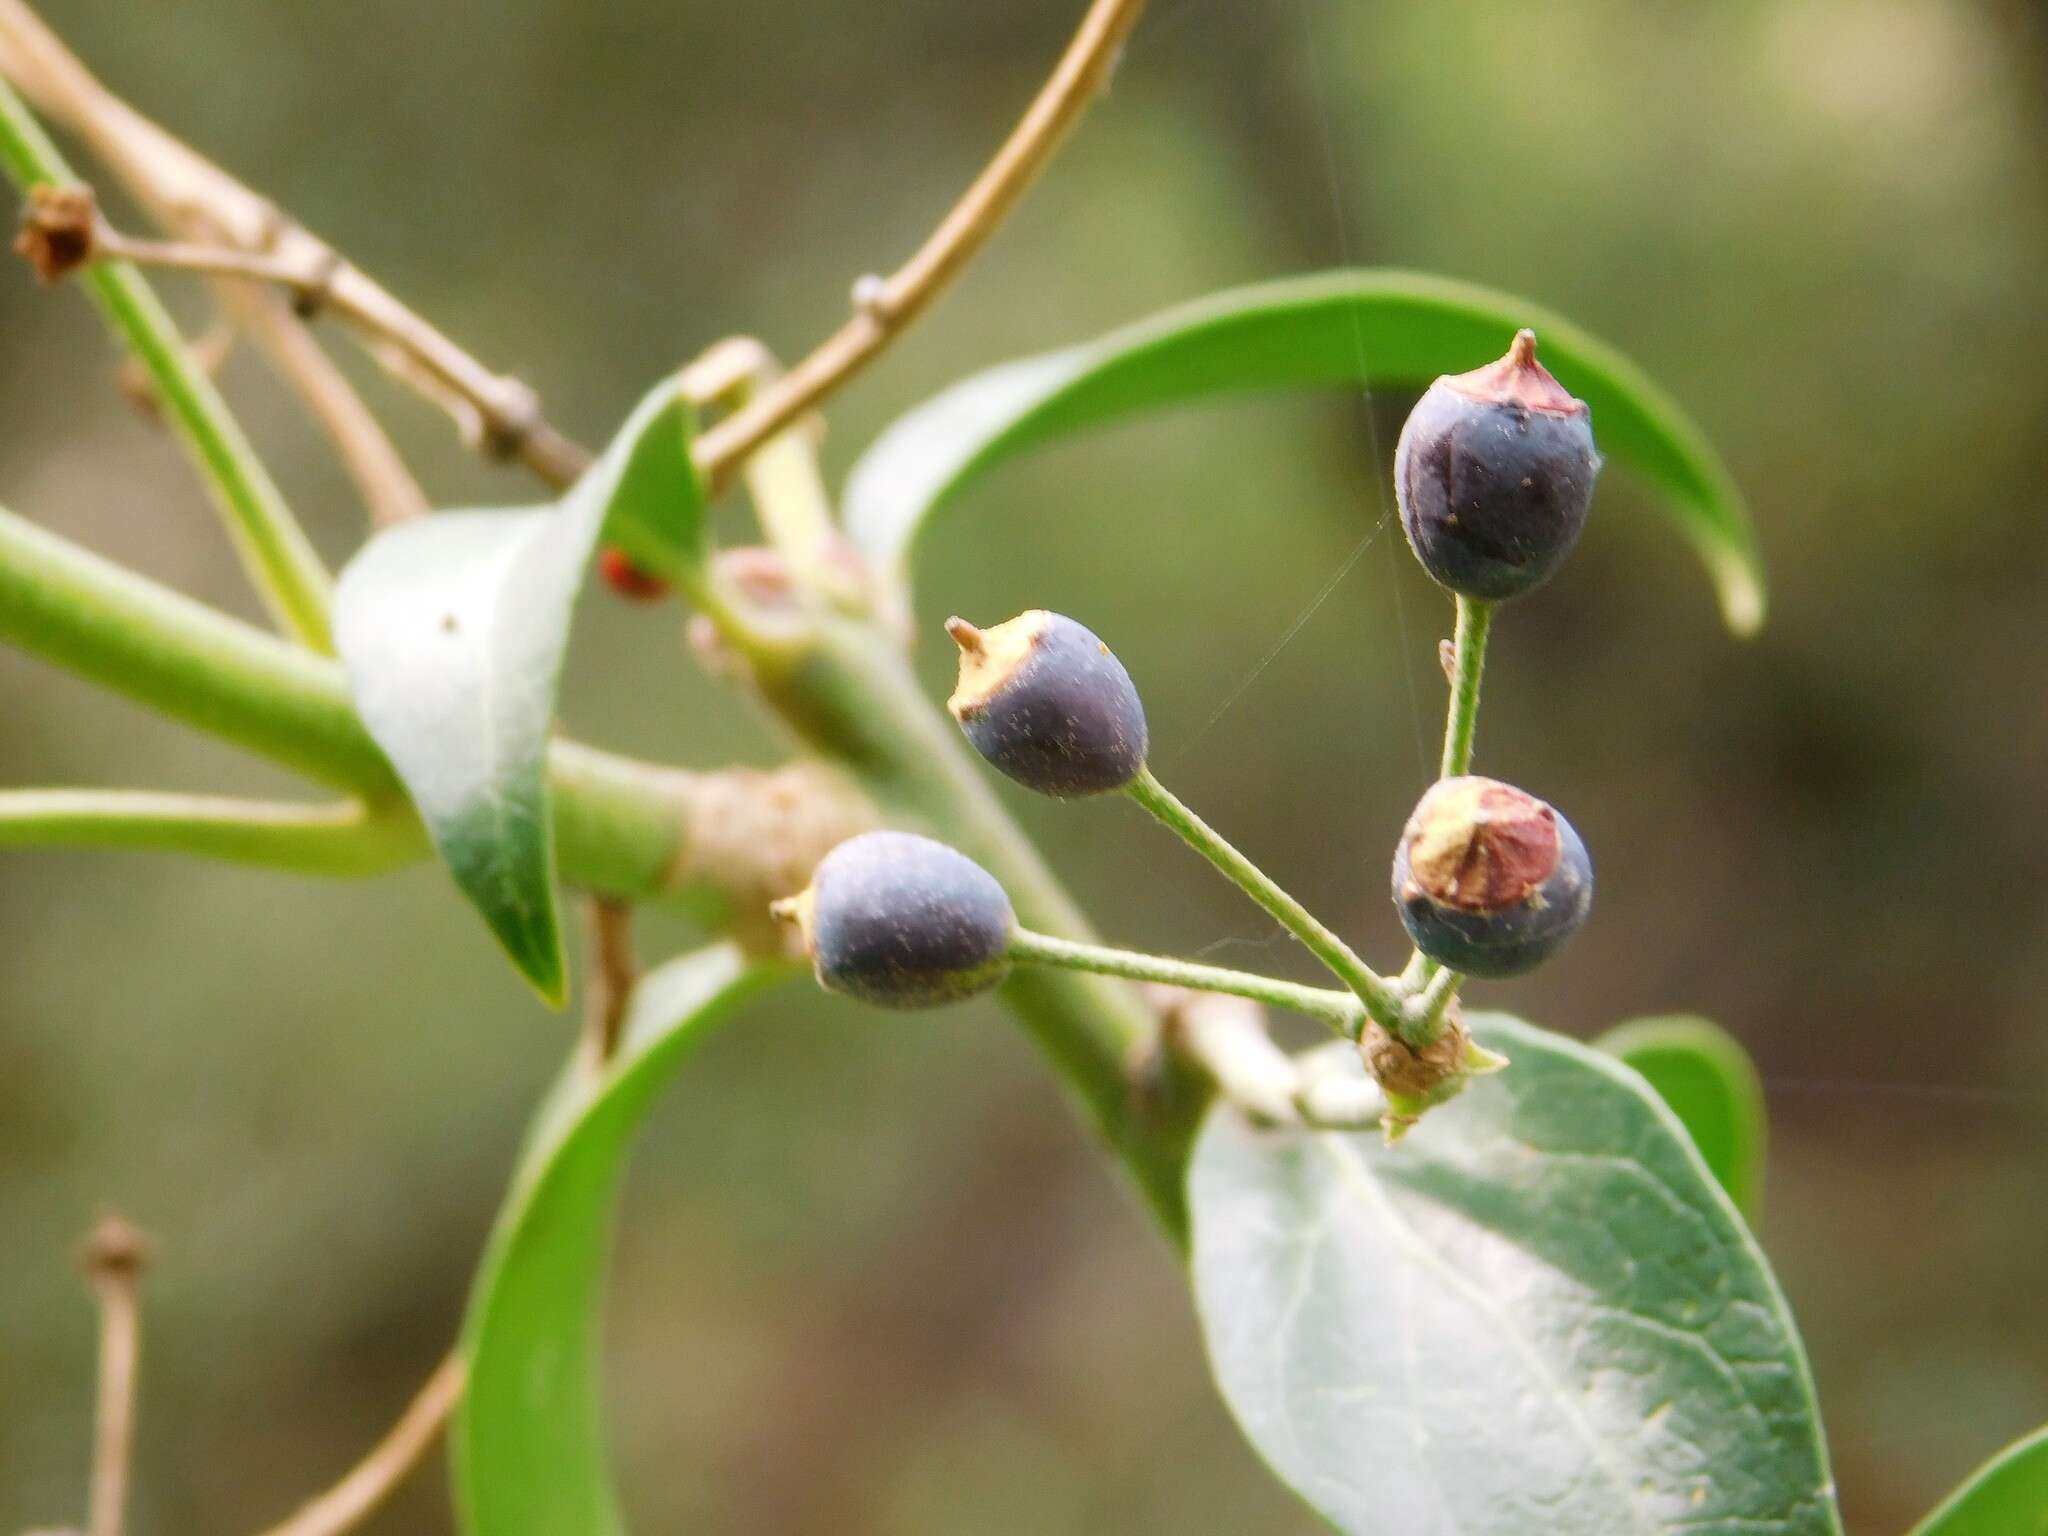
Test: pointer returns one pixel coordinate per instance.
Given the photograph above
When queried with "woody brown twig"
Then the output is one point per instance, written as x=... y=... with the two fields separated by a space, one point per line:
x=53 y=77
x=114 y=1257
x=498 y=414
x=191 y=195
x=373 y=1479
x=885 y=307
x=612 y=972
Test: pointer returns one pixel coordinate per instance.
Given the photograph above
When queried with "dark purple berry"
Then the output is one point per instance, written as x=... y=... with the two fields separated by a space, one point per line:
x=1047 y=703
x=1490 y=881
x=902 y=922
x=1494 y=473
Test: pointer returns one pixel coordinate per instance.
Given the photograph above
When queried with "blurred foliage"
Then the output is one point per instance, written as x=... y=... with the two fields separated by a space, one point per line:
x=871 y=1279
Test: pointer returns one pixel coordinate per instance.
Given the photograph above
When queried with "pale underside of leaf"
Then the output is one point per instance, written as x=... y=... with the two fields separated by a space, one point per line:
x=1538 y=1313
x=528 y=1446
x=1378 y=328
x=453 y=629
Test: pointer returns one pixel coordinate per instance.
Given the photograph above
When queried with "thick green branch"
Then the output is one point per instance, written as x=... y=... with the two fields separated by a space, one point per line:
x=178 y=656
x=344 y=838
x=624 y=828
x=273 y=548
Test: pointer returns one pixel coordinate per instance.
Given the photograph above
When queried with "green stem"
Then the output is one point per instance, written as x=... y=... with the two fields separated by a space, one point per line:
x=176 y=655
x=1461 y=726
x=1475 y=618
x=620 y=825
x=345 y=838
x=1378 y=994
x=281 y=562
x=1340 y=1009
x=1425 y=1011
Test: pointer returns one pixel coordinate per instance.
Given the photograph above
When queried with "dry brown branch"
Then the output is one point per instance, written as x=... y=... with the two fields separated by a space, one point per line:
x=613 y=971
x=63 y=228
x=885 y=307
x=380 y=475
x=114 y=1258
x=372 y=1480
x=498 y=414
x=53 y=78
x=191 y=195
x=387 y=487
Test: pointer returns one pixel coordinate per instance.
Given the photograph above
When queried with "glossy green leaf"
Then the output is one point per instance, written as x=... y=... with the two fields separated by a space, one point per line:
x=528 y=1443
x=1348 y=327
x=1537 y=1313
x=1707 y=1078
x=2007 y=1496
x=453 y=629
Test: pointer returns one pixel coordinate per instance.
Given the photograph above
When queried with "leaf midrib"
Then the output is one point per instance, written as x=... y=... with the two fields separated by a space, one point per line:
x=1352 y=1170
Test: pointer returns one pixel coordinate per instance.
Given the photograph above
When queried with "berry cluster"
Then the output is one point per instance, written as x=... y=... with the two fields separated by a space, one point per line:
x=1493 y=475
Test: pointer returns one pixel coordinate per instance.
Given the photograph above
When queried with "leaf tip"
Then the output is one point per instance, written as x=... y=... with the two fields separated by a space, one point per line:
x=1743 y=607
x=536 y=952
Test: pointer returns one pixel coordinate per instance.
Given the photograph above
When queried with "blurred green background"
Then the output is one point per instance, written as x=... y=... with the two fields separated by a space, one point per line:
x=870 y=1277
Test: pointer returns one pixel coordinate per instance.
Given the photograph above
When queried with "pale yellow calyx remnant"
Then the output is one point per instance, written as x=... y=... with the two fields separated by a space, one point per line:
x=989 y=658
x=797 y=911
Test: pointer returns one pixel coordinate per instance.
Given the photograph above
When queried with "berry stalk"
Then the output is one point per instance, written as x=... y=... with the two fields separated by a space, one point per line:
x=1468 y=661
x=1339 y=1009
x=1379 y=995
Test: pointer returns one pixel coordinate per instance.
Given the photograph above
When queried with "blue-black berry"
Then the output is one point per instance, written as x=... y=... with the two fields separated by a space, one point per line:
x=902 y=922
x=1047 y=703
x=1489 y=880
x=1494 y=473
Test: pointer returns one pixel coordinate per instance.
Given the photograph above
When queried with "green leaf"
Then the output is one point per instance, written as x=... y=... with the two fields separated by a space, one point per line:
x=1537 y=1313
x=527 y=1444
x=2007 y=1496
x=453 y=629
x=647 y=492
x=1707 y=1078
x=1347 y=327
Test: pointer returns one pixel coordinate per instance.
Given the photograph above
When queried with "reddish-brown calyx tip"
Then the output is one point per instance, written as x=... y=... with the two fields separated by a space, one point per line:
x=1481 y=845
x=1518 y=379
x=965 y=635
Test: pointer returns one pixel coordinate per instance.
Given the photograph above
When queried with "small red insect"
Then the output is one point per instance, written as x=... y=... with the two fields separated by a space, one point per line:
x=630 y=581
